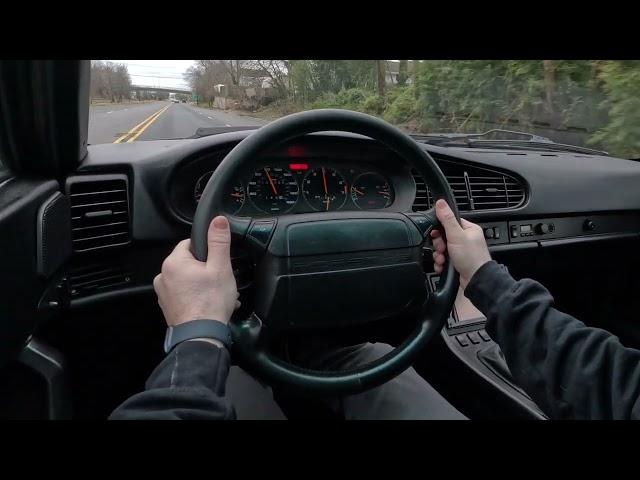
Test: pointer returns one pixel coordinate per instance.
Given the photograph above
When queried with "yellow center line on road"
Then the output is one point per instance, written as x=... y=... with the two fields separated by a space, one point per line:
x=136 y=131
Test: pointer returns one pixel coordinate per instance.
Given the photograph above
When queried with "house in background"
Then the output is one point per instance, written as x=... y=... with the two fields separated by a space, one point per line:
x=393 y=71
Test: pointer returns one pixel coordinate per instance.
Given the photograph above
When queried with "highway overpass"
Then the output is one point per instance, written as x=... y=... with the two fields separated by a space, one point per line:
x=149 y=88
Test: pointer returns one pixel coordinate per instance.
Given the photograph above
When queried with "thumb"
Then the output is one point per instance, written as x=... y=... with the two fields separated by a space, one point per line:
x=448 y=219
x=219 y=242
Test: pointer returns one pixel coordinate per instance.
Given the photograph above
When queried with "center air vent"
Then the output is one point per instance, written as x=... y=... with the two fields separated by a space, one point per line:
x=474 y=188
x=99 y=211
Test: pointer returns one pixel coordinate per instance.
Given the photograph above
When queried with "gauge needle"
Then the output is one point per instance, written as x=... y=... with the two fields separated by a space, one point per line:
x=237 y=195
x=358 y=191
x=273 y=187
x=324 y=181
x=326 y=190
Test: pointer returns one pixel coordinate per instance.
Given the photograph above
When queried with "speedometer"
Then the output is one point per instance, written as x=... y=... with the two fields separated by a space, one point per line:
x=273 y=189
x=324 y=189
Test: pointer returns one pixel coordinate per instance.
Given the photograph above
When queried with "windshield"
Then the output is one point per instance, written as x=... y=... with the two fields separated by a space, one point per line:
x=586 y=103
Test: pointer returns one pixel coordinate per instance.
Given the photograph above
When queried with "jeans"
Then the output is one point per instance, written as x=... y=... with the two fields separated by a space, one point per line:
x=406 y=397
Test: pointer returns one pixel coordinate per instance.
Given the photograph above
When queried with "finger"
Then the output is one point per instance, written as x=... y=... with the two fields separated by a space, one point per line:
x=238 y=304
x=439 y=258
x=183 y=250
x=435 y=233
x=467 y=224
x=438 y=268
x=440 y=245
x=219 y=242
x=448 y=219
x=156 y=282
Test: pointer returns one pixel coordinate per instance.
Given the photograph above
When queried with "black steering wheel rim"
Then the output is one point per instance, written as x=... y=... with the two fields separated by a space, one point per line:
x=246 y=333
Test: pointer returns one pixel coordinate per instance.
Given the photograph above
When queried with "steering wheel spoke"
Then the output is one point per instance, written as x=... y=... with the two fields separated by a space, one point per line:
x=259 y=233
x=425 y=221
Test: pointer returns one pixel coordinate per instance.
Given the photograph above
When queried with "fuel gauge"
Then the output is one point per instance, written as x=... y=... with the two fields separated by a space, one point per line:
x=371 y=191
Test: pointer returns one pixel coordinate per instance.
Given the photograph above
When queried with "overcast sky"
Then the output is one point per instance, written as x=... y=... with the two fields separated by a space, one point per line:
x=157 y=73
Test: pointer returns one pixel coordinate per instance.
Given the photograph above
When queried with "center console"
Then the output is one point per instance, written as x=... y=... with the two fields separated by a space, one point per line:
x=465 y=336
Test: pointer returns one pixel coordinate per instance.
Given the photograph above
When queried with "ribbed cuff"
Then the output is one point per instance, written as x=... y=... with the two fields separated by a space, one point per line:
x=192 y=365
x=487 y=285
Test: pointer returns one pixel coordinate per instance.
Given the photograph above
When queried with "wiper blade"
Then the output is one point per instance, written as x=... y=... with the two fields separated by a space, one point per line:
x=525 y=145
x=445 y=138
x=206 y=131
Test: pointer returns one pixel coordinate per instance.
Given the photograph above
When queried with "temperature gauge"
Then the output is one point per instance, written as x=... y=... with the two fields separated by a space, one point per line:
x=371 y=191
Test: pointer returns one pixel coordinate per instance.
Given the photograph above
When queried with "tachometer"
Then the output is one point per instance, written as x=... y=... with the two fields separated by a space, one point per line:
x=273 y=189
x=233 y=198
x=371 y=191
x=324 y=189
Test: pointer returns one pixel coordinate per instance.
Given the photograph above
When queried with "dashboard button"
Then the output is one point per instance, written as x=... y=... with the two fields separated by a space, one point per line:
x=261 y=231
x=473 y=337
x=462 y=340
x=483 y=335
x=542 y=228
x=489 y=233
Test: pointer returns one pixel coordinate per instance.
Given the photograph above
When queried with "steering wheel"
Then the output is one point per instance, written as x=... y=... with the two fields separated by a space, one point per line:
x=332 y=269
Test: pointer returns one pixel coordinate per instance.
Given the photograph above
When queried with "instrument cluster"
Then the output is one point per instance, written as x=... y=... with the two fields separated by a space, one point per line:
x=281 y=187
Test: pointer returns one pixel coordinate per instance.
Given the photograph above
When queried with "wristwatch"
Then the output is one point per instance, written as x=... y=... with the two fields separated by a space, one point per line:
x=201 y=328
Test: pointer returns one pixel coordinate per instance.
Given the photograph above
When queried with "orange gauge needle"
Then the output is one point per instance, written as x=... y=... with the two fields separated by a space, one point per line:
x=273 y=186
x=324 y=181
x=358 y=191
x=237 y=195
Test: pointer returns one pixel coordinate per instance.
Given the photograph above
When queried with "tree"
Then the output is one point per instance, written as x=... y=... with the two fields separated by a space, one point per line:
x=621 y=83
x=382 y=78
x=402 y=73
x=110 y=81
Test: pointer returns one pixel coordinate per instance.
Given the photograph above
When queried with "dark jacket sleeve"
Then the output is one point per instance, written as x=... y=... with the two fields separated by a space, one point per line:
x=189 y=384
x=570 y=370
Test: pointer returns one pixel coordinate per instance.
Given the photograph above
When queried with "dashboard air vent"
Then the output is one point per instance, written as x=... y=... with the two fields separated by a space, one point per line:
x=99 y=211
x=474 y=188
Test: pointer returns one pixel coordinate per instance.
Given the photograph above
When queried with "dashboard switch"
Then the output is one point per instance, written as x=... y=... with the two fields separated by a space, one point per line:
x=489 y=233
x=483 y=335
x=462 y=340
x=589 y=225
x=473 y=337
x=515 y=231
x=542 y=228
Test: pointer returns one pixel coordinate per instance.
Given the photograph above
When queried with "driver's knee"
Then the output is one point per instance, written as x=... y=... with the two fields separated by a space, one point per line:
x=251 y=399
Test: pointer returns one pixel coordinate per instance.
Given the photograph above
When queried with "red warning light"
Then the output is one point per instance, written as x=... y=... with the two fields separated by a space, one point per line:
x=295 y=151
x=298 y=166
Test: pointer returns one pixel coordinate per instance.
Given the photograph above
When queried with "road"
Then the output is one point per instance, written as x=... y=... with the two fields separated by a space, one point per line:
x=157 y=120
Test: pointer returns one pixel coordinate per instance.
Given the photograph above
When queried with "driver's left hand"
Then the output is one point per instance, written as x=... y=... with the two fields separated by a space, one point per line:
x=188 y=289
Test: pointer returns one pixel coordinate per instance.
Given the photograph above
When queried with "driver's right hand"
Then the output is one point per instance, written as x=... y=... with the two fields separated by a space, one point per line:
x=465 y=243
